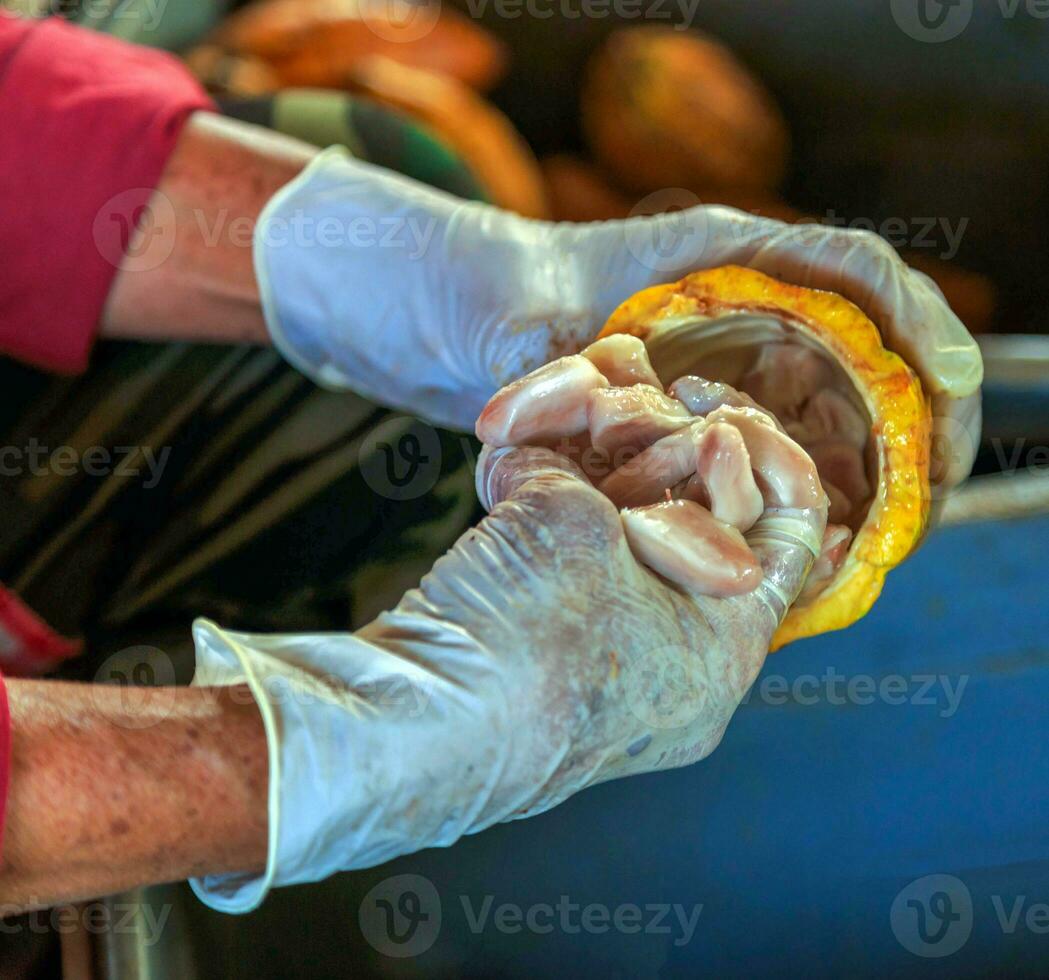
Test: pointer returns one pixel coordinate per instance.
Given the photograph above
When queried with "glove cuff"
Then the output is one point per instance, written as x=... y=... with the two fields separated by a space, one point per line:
x=355 y=734
x=223 y=662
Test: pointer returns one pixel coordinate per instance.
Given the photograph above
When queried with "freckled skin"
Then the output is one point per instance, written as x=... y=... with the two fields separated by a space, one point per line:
x=163 y=784
x=109 y=789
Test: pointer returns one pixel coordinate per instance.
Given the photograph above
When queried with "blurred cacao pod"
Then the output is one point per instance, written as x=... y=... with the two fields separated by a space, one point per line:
x=666 y=108
x=495 y=152
x=222 y=73
x=577 y=191
x=317 y=42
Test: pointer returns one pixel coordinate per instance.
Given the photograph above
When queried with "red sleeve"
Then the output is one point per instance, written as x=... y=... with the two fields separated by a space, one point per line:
x=88 y=124
x=5 y=757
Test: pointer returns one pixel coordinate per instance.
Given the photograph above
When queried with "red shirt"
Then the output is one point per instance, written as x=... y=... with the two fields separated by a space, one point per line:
x=87 y=123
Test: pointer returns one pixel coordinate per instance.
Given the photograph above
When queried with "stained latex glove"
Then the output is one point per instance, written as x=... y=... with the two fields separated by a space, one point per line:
x=540 y=655
x=416 y=299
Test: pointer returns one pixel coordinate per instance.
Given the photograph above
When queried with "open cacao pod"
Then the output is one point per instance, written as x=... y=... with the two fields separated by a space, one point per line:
x=723 y=324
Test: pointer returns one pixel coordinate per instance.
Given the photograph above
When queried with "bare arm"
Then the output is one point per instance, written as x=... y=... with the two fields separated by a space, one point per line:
x=115 y=787
x=188 y=273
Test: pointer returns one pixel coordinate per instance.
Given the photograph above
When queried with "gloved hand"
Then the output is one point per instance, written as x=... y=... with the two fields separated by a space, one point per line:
x=539 y=656
x=418 y=300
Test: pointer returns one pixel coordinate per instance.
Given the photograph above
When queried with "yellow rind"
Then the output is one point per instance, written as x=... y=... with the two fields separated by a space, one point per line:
x=899 y=514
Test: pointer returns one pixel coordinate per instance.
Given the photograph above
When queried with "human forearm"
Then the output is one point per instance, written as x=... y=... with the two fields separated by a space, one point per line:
x=188 y=273
x=113 y=787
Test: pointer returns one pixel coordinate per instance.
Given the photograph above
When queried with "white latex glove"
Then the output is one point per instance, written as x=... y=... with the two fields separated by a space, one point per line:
x=537 y=658
x=375 y=282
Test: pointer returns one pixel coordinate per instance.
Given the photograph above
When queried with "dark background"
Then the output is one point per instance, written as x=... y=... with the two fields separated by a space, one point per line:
x=883 y=125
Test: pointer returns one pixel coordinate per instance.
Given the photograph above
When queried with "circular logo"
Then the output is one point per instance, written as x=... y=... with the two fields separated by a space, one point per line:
x=667 y=230
x=952 y=448
x=932 y=21
x=932 y=917
x=140 y=666
x=135 y=230
x=400 y=459
x=666 y=688
x=401 y=916
x=400 y=21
